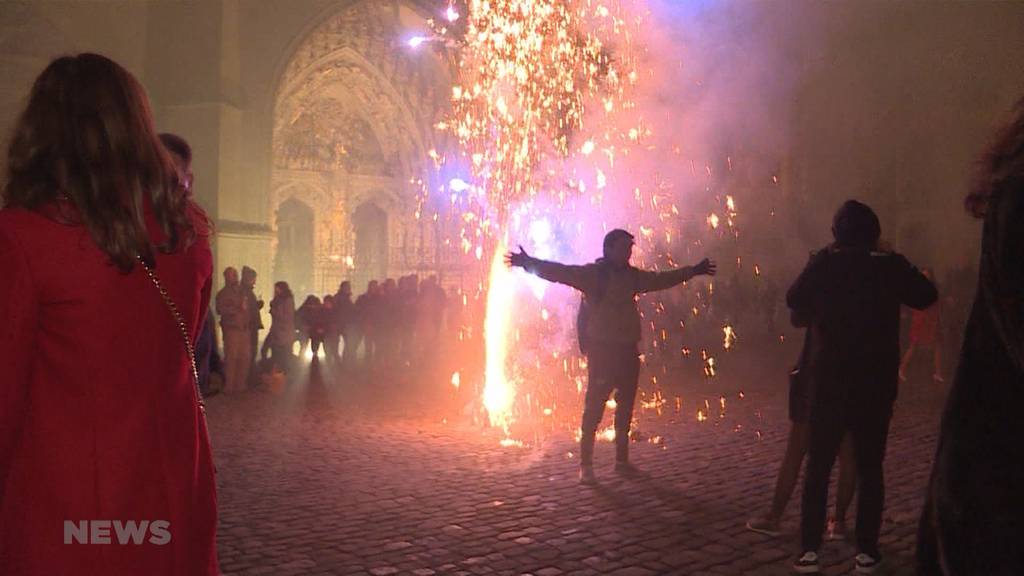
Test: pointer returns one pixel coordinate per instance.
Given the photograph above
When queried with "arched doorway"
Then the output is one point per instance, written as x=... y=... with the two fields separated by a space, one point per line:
x=370 y=228
x=293 y=262
x=354 y=119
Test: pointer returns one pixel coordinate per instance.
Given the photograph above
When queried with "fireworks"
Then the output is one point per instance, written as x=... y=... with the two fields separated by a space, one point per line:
x=730 y=337
x=550 y=136
x=527 y=68
x=499 y=389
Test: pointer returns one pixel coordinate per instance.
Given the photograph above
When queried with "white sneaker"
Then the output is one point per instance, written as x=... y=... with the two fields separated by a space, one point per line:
x=807 y=564
x=764 y=525
x=866 y=563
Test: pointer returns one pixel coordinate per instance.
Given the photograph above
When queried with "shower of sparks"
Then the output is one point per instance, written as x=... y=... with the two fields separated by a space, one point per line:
x=526 y=70
x=550 y=133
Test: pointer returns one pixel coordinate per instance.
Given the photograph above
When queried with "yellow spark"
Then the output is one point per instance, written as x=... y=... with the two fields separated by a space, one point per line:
x=730 y=337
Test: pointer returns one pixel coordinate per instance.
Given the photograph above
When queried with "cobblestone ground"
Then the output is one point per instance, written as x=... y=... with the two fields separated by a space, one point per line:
x=342 y=477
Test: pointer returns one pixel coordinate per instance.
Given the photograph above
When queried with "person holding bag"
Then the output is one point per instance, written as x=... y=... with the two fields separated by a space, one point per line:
x=105 y=459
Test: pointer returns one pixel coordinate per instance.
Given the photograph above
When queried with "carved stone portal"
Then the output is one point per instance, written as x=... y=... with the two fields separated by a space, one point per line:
x=353 y=122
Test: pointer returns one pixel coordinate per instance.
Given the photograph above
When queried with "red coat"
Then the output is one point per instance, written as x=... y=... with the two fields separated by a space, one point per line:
x=98 y=418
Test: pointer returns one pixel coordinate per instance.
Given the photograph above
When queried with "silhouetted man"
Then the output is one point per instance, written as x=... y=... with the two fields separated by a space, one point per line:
x=368 y=322
x=234 y=322
x=851 y=292
x=610 y=333
x=254 y=305
x=345 y=318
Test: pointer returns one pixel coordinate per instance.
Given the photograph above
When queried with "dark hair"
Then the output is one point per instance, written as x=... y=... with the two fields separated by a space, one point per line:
x=177 y=145
x=856 y=225
x=612 y=237
x=87 y=134
x=1001 y=165
x=285 y=288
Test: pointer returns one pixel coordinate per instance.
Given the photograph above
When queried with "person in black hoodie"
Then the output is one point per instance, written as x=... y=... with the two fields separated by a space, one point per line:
x=973 y=519
x=852 y=292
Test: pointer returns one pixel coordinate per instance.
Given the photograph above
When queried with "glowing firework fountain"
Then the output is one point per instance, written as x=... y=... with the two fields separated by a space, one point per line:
x=545 y=114
x=525 y=68
x=499 y=389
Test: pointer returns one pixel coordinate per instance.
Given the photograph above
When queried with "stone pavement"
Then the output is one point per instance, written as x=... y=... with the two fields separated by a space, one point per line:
x=343 y=478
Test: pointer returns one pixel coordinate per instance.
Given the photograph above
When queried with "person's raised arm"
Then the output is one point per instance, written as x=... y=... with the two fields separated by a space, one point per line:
x=579 y=277
x=653 y=281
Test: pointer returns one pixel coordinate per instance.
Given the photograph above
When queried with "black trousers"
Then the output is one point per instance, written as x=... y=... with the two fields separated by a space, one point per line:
x=609 y=367
x=869 y=430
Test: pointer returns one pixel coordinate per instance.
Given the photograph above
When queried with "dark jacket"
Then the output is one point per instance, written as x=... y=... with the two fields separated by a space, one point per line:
x=344 y=313
x=615 y=318
x=852 y=299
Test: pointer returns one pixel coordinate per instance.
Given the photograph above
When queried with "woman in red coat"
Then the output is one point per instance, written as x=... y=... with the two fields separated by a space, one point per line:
x=105 y=462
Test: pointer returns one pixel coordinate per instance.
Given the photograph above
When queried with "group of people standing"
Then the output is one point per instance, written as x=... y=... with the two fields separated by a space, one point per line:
x=394 y=323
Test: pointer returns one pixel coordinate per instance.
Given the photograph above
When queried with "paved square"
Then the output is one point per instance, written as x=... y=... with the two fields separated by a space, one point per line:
x=357 y=476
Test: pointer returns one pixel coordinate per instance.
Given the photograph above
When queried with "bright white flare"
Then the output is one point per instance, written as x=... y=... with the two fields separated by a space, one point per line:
x=499 y=390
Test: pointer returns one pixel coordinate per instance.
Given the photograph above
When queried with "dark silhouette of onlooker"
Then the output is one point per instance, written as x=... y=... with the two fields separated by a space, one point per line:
x=332 y=330
x=612 y=332
x=233 y=308
x=386 y=317
x=254 y=305
x=93 y=424
x=851 y=293
x=345 y=317
x=281 y=337
x=367 y=322
x=972 y=519
x=429 y=317
x=796 y=450
x=312 y=325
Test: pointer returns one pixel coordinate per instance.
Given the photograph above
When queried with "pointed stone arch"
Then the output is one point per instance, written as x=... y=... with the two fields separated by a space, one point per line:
x=353 y=123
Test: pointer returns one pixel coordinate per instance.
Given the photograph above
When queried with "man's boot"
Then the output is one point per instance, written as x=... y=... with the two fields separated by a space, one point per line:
x=622 y=465
x=587 y=459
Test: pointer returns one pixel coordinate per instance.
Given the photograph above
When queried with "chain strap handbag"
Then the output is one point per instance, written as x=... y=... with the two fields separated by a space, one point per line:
x=189 y=349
